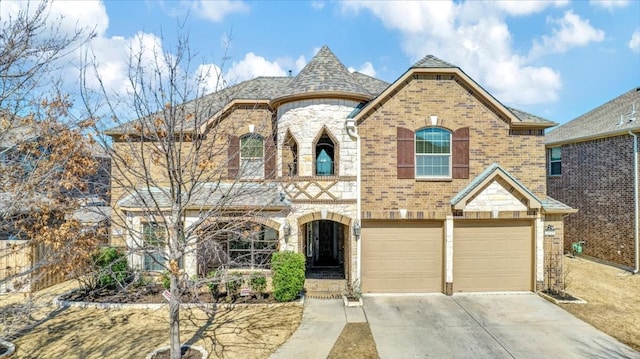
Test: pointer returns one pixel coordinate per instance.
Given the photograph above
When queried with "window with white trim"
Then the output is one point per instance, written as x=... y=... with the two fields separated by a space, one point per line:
x=433 y=153
x=251 y=156
x=555 y=161
x=154 y=236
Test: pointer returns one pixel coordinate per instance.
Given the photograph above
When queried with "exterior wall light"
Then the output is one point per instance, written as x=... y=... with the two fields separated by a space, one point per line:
x=287 y=231
x=356 y=229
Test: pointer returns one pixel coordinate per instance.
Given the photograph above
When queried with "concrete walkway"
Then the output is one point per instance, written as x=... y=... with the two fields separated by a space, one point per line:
x=322 y=323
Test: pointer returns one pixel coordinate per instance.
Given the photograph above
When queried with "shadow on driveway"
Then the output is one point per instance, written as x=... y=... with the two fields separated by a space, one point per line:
x=483 y=326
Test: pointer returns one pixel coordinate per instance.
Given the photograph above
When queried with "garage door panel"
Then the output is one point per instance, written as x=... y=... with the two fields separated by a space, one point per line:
x=492 y=256
x=401 y=257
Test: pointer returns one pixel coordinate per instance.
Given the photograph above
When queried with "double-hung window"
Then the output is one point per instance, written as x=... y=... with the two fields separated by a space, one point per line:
x=555 y=161
x=155 y=246
x=433 y=153
x=251 y=156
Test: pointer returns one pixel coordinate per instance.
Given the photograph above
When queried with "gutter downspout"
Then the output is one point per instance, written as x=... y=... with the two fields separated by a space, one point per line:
x=635 y=201
x=353 y=132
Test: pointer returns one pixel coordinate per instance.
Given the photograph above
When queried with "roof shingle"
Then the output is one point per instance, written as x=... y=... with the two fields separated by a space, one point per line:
x=611 y=118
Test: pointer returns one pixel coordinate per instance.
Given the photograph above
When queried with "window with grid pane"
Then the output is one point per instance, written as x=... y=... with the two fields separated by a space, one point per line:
x=251 y=247
x=154 y=246
x=251 y=156
x=555 y=161
x=433 y=153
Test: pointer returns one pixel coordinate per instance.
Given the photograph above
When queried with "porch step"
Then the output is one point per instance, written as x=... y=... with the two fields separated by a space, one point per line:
x=325 y=288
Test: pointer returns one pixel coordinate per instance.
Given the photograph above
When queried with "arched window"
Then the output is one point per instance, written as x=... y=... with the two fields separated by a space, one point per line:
x=251 y=156
x=325 y=155
x=433 y=153
x=290 y=155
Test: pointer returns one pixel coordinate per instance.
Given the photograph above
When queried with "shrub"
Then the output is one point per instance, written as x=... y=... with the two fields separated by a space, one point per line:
x=258 y=282
x=213 y=283
x=142 y=280
x=233 y=284
x=287 y=269
x=112 y=267
x=165 y=279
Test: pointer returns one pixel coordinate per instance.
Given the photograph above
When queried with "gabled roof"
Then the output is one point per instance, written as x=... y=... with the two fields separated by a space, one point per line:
x=494 y=171
x=431 y=61
x=323 y=76
x=434 y=65
x=610 y=119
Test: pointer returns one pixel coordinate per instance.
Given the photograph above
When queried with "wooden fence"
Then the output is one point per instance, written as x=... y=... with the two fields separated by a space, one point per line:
x=17 y=272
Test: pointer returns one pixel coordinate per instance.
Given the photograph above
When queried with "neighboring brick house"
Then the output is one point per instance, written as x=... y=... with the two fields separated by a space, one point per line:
x=427 y=184
x=592 y=166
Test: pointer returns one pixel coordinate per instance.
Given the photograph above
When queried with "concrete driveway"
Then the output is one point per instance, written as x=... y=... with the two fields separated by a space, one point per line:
x=483 y=326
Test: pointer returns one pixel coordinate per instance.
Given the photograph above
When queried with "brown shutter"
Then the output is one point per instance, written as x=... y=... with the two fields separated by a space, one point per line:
x=233 y=166
x=406 y=156
x=269 y=158
x=460 y=153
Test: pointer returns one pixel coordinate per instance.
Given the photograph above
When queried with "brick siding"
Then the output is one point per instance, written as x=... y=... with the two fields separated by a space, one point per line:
x=597 y=179
x=490 y=141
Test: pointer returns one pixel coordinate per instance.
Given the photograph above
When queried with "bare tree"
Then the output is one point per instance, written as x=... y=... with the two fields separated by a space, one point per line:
x=44 y=157
x=191 y=171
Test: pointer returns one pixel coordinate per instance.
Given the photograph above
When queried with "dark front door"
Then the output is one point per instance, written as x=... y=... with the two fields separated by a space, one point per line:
x=327 y=244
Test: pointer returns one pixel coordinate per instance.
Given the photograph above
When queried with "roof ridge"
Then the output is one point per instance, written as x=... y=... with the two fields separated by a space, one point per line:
x=430 y=61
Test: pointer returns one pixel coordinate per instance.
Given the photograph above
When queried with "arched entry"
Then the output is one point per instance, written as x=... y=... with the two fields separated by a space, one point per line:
x=324 y=249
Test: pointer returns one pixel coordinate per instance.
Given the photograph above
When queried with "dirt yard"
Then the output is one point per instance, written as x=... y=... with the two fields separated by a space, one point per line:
x=612 y=295
x=96 y=333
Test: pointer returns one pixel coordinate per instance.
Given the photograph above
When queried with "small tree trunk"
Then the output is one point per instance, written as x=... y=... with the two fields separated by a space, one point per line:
x=174 y=318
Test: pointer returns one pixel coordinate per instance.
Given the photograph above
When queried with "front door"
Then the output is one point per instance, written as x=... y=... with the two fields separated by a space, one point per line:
x=324 y=243
x=324 y=248
x=327 y=253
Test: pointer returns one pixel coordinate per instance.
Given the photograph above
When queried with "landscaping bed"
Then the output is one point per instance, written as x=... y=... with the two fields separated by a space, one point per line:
x=152 y=293
x=239 y=332
x=612 y=295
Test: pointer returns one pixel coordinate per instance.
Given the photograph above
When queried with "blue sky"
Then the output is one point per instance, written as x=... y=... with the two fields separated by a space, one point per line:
x=555 y=59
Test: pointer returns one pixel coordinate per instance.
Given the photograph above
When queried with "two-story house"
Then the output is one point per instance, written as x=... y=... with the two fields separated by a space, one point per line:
x=427 y=184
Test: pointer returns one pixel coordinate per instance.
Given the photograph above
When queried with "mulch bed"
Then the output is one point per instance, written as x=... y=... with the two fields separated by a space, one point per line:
x=186 y=353
x=150 y=294
x=560 y=295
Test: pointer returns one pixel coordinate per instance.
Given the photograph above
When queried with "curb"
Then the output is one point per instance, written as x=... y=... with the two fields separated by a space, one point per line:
x=155 y=306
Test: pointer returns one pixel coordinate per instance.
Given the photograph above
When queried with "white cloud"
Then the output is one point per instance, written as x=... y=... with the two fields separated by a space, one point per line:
x=209 y=78
x=112 y=58
x=301 y=62
x=82 y=14
x=217 y=10
x=634 y=43
x=317 y=5
x=570 y=31
x=526 y=7
x=610 y=4
x=408 y=17
x=474 y=35
x=252 y=66
x=366 y=68
x=64 y=16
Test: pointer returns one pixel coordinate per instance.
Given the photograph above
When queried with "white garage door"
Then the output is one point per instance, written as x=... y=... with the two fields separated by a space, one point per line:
x=491 y=256
x=402 y=257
